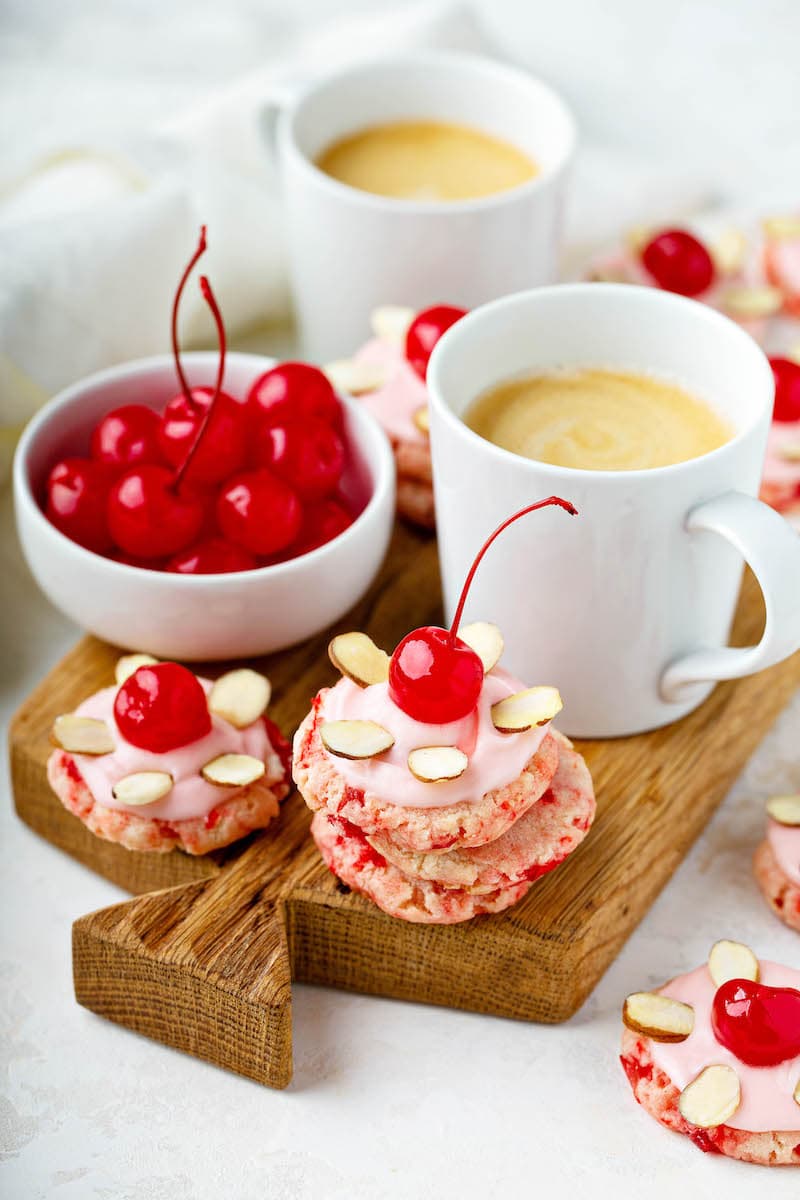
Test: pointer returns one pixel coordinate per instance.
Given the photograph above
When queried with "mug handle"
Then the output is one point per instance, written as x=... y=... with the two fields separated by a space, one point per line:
x=771 y=547
x=283 y=94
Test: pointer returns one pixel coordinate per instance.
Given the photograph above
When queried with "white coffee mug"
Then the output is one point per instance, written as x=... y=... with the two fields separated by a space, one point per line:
x=626 y=607
x=351 y=251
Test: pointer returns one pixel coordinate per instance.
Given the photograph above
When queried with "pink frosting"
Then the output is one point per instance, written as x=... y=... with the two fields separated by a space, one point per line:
x=495 y=759
x=785 y=843
x=781 y=473
x=783 y=260
x=767 y=1101
x=190 y=796
x=394 y=404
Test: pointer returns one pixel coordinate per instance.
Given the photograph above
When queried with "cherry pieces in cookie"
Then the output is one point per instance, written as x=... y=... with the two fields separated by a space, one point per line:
x=214 y=483
x=715 y=1054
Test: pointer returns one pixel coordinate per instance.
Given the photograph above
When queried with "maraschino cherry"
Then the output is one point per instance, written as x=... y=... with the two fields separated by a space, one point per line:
x=322 y=522
x=161 y=707
x=307 y=455
x=787 y=389
x=293 y=392
x=259 y=512
x=424 y=332
x=216 y=441
x=679 y=262
x=213 y=556
x=148 y=518
x=127 y=436
x=758 y=1023
x=77 y=497
x=434 y=677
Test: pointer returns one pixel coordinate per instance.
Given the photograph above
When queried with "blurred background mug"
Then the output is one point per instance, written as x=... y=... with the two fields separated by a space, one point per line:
x=627 y=607
x=352 y=250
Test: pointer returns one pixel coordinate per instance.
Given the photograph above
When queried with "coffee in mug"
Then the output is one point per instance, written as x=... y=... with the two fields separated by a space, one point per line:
x=426 y=160
x=598 y=420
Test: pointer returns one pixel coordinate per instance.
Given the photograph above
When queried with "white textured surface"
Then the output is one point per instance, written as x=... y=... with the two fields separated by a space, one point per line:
x=389 y=1100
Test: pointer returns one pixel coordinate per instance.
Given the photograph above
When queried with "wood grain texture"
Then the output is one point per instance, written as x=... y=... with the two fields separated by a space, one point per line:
x=206 y=965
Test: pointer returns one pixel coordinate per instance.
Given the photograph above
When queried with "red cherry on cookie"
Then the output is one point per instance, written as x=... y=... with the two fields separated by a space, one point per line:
x=679 y=262
x=127 y=436
x=214 y=556
x=293 y=392
x=787 y=389
x=161 y=707
x=259 y=512
x=147 y=518
x=77 y=498
x=758 y=1023
x=435 y=678
x=309 y=456
x=322 y=522
x=424 y=332
x=223 y=447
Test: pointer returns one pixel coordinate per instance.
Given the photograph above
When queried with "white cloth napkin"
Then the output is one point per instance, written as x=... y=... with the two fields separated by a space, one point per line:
x=91 y=245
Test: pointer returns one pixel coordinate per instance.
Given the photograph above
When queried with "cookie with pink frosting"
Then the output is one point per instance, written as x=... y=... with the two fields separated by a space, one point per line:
x=728 y=273
x=440 y=788
x=166 y=760
x=776 y=863
x=782 y=259
x=388 y=375
x=380 y=795
x=535 y=844
x=715 y=1055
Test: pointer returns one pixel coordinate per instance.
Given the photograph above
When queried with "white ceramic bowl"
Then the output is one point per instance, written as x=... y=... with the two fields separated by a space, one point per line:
x=204 y=616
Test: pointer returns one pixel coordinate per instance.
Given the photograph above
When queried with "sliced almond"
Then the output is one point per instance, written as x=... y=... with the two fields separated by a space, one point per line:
x=437 y=764
x=357 y=657
x=728 y=251
x=142 y=787
x=355 y=739
x=240 y=696
x=782 y=227
x=637 y=238
x=731 y=960
x=390 y=322
x=129 y=663
x=658 y=1017
x=422 y=419
x=356 y=378
x=752 y=302
x=790 y=452
x=486 y=640
x=785 y=809
x=608 y=274
x=712 y=1098
x=82 y=735
x=233 y=770
x=523 y=710
x=796 y=1092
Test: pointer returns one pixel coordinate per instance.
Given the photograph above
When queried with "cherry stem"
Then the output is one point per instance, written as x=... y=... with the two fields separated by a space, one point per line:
x=551 y=500
x=211 y=301
x=199 y=252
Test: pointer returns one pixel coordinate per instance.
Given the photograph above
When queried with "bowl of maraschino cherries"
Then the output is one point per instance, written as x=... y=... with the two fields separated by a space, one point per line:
x=204 y=505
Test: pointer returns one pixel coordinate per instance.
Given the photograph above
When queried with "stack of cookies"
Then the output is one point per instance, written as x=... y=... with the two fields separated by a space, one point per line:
x=439 y=821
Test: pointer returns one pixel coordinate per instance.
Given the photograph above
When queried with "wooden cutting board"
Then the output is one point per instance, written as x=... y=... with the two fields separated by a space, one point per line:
x=207 y=964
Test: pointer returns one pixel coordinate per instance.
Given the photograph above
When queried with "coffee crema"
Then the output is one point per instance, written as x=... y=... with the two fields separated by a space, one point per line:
x=597 y=420
x=426 y=160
